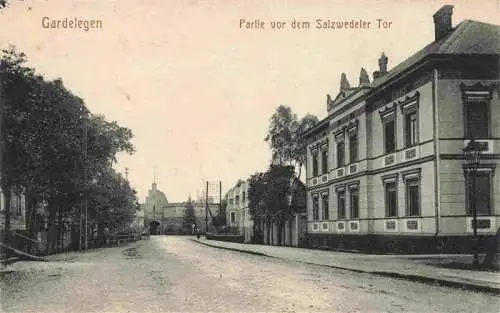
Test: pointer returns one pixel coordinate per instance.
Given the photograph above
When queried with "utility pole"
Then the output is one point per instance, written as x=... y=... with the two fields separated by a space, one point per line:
x=80 y=228
x=3 y=73
x=206 y=210
x=220 y=198
x=85 y=151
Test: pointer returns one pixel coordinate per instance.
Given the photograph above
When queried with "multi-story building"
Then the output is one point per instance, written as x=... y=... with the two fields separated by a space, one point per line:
x=237 y=211
x=385 y=168
x=163 y=217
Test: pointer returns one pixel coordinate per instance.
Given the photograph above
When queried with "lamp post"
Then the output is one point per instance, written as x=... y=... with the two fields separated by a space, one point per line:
x=472 y=155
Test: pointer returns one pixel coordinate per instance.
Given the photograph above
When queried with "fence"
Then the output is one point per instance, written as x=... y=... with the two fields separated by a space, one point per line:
x=16 y=243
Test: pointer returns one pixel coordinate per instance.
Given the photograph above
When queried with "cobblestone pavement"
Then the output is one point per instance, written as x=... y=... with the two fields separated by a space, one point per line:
x=413 y=267
x=174 y=274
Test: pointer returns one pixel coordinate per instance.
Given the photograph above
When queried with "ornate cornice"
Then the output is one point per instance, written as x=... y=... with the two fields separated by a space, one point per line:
x=314 y=148
x=340 y=187
x=477 y=92
x=413 y=173
x=347 y=118
x=340 y=134
x=387 y=111
x=354 y=184
x=409 y=102
x=352 y=127
x=390 y=177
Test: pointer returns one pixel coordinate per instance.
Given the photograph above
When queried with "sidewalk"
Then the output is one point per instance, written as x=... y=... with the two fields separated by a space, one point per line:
x=423 y=268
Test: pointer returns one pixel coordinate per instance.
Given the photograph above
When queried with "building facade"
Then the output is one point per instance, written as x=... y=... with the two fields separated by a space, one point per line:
x=237 y=211
x=385 y=167
x=163 y=217
x=17 y=209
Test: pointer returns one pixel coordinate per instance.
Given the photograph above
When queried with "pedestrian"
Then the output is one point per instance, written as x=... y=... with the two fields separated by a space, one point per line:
x=198 y=234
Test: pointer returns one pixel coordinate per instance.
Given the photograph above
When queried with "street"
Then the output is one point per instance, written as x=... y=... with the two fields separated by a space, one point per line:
x=175 y=274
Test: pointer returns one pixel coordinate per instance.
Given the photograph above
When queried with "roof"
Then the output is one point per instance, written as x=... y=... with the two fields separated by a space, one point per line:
x=343 y=95
x=468 y=37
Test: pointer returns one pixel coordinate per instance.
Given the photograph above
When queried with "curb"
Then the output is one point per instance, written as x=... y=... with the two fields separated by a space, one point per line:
x=237 y=250
x=410 y=277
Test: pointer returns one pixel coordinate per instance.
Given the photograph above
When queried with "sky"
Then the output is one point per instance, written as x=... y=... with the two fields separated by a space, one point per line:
x=197 y=87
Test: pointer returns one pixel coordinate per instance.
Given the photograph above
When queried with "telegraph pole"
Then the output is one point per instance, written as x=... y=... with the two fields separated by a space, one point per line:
x=85 y=179
x=2 y=99
x=220 y=198
x=206 y=210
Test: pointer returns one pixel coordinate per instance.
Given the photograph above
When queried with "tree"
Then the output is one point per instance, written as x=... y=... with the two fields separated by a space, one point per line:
x=15 y=91
x=112 y=201
x=223 y=207
x=189 y=217
x=285 y=137
x=277 y=195
x=299 y=144
x=3 y=4
x=53 y=148
x=256 y=204
x=289 y=147
x=219 y=220
x=280 y=134
x=268 y=197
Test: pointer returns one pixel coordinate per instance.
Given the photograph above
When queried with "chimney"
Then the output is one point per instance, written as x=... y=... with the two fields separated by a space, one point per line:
x=442 y=22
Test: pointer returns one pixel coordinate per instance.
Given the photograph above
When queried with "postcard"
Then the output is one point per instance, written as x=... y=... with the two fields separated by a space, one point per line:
x=249 y=156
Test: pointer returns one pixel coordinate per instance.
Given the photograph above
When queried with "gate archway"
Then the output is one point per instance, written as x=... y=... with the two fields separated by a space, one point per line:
x=154 y=228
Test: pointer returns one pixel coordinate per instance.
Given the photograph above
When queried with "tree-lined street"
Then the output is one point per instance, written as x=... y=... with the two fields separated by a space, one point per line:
x=175 y=274
x=59 y=156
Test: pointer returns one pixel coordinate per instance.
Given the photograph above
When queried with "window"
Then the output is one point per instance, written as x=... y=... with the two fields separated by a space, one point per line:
x=326 y=213
x=340 y=153
x=315 y=164
x=413 y=197
x=391 y=199
x=237 y=200
x=477 y=120
x=477 y=99
x=354 y=202
x=315 y=208
x=353 y=148
x=390 y=136
x=341 y=204
x=411 y=129
x=19 y=205
x=232 y=217
x=480 y=195
x=243 y=197
x=324 y=161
